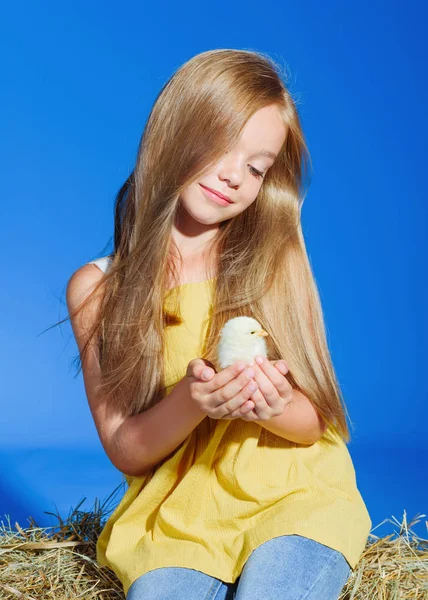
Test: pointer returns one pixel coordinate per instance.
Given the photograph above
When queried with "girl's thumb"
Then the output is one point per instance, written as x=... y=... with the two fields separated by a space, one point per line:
x=206 y=373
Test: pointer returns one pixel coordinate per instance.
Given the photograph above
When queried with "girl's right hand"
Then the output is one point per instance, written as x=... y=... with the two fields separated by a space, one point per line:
x=219 y=394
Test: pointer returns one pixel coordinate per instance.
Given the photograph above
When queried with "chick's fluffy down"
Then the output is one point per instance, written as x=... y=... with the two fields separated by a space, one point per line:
x=241 y=338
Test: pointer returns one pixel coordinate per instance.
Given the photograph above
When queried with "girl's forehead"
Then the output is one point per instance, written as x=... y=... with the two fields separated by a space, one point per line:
x=264 y=133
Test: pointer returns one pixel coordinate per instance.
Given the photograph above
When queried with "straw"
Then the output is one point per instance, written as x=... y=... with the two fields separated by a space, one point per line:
x=59 y=562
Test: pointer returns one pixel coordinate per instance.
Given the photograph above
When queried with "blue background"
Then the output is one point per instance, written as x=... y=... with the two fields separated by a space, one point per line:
x=78 y=83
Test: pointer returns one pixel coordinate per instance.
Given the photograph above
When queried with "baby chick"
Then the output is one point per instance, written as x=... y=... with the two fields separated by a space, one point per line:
x=241 y=338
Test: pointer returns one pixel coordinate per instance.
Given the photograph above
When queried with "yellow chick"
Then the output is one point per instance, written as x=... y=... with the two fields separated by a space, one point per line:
x=241 y=338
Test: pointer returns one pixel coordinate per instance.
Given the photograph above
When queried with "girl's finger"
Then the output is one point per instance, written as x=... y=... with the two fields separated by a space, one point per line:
x=273 y=373
x=212 y=382
x=282 y=366
x=267 y=388
x=242 y=411
x=261 y=405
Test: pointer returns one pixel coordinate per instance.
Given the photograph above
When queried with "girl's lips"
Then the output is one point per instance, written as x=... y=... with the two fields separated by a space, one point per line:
x=215 y=197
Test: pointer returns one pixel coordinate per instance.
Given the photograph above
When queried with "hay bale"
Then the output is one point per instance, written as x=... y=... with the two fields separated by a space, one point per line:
x=37 y=563
x=60 y=562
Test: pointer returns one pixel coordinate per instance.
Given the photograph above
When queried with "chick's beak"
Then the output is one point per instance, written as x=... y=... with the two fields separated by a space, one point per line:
x=262 y=333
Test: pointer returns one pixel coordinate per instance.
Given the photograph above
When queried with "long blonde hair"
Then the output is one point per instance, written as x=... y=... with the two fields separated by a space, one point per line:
x=263 y=269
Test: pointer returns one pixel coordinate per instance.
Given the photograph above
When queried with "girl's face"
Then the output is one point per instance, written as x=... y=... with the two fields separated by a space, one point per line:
x=239 y=174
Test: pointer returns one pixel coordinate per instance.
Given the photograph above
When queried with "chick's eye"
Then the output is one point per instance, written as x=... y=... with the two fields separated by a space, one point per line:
x=252 y=332
x=257 y=174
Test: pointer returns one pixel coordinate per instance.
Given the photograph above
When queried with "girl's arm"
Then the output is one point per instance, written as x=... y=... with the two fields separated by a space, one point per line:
x=143 y=440
x=133 y=444
x=299 y=423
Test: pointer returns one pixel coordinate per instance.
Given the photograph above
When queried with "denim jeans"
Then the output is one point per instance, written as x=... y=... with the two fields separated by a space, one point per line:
x=288 y=567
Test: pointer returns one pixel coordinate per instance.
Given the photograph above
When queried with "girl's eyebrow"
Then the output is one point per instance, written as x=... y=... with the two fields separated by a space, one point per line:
x=267 y=153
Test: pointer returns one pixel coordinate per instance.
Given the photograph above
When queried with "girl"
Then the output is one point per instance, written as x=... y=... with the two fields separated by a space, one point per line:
x=240 y=481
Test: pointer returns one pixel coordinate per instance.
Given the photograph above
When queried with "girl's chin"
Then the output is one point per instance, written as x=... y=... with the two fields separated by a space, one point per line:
x=205 y=217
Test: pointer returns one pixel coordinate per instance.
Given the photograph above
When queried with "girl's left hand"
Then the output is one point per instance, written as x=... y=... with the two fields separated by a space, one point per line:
x=273 y=394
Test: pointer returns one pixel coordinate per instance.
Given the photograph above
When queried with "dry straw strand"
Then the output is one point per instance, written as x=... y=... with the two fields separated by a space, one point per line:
x=60 y=562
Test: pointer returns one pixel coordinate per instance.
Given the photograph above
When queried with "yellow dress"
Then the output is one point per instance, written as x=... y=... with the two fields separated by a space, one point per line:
x=230 y=486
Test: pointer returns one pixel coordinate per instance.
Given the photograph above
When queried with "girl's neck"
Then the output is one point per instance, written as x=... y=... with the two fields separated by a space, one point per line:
x=195 y=267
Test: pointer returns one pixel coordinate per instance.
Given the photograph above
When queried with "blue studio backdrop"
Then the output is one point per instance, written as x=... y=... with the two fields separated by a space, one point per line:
x=78 y=83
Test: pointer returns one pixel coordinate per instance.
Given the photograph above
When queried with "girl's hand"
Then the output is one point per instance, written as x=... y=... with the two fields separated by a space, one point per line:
x=273 y=394
x=222 y=393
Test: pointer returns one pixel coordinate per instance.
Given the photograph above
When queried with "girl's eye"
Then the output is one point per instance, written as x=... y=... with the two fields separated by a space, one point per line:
x=255 y=172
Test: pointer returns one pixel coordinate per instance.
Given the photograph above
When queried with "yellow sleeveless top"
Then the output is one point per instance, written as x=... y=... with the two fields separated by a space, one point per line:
x=230 y=485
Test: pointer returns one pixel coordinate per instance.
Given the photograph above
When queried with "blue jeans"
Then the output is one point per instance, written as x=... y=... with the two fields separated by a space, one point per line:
x=288 y=567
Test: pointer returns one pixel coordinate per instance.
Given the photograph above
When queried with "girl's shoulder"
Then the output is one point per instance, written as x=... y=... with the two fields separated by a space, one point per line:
x=102 y=263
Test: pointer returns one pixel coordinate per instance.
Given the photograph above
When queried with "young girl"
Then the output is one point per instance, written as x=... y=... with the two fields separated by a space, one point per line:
x=240 y=481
